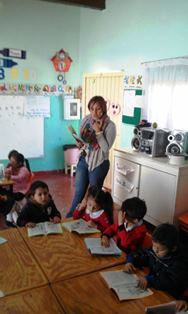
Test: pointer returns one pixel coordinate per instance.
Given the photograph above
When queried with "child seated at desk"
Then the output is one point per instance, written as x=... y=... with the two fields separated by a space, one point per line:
x=6 y=201
x=99 y=209
x=18 y=172
x=168 y=262
x=130 y=230
x=39 y=208
x=21 y=175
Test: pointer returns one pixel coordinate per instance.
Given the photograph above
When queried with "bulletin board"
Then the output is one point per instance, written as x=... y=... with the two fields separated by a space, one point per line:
x=18 y=129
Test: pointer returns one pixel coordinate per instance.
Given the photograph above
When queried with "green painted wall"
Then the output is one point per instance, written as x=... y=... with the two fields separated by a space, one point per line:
x=42 y=28
x=130 y=32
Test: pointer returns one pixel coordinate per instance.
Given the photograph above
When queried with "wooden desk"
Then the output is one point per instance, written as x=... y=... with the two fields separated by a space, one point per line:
x=38 y=300
x=66 y=256
x=7 y=183
x=18 y=269
x=90 y=294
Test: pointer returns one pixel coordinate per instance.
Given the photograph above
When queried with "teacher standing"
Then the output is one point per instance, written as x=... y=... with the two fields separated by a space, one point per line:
x=98 y=133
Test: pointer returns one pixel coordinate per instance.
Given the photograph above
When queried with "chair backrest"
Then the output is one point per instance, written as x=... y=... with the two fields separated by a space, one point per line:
x=32 y=175
x=147 y=243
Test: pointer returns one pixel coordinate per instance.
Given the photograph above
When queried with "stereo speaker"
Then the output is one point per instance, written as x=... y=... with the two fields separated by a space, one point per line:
x=178 y=143
x=136 y=141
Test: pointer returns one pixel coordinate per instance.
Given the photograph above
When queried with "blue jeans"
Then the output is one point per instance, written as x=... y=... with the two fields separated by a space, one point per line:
x=84 y=177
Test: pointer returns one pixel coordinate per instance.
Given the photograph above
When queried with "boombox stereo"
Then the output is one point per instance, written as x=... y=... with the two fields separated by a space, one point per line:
x=178 y=143
x=151 y=141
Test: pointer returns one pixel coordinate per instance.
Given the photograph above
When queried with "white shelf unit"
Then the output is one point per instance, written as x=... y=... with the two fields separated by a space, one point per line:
x=163 y=186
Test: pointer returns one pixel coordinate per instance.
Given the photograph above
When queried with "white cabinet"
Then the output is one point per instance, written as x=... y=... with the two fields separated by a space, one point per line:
x=157 y=189
x=163 y=186
x=125 y=183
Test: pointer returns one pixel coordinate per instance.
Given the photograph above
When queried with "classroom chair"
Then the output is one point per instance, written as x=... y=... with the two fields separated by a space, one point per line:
x=183 y=222
x=71 y=158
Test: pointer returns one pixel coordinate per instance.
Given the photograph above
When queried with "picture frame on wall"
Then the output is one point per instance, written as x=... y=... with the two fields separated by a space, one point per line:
x=71 y=108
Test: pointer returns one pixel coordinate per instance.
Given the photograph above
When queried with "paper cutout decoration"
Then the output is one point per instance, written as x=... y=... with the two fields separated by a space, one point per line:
x=2 y=74
x=132 y=81
x=132 y=106
x=114 y=109
x=7 y=63
x=14 y=73
x=61 y=61
x=13 y=53
x=78 y=92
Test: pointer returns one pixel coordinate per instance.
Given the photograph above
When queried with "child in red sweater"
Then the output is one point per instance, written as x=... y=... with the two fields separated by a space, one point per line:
x=130 y=230
x=99 y=210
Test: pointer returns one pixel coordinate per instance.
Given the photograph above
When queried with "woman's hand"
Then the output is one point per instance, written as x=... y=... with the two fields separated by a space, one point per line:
x=129 y=268
x=55 y=220
x=30 y=225
x=105 y=241
x=142 y=282
x=91 y=224
x=97 y=125
x=79 y=144
x=181 y=305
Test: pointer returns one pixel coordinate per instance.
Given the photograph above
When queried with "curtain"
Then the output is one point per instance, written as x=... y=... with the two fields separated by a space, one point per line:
x=166 y=100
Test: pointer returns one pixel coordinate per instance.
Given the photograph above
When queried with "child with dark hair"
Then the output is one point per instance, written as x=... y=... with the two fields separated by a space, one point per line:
x=19 y=171
x=39 y=208
x=130 y=230
x=13 y=154
x=6 y=201
x=99 y=210
x=168 y=263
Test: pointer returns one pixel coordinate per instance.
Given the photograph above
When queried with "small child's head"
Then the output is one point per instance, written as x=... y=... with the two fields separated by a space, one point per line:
x=16 y=159
x=97 y=199
x=134 y=209
x=39 y=192
x=12 y=153
x=165 y=239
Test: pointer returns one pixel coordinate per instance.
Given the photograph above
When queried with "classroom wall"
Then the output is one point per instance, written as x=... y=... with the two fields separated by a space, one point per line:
x=130 y=32
x=42 y=28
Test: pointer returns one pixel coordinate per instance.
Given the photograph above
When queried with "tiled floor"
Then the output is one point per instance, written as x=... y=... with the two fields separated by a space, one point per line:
x=61 y=188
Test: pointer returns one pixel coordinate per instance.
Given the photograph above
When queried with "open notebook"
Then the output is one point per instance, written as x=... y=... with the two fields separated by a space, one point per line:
x=95 y=247
x=80 y=226
x=166 y=308
x=124 y=285
x=44 y=228
x=2 y=240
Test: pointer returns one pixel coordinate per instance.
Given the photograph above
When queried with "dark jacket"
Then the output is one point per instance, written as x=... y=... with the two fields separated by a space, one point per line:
x=36 y=213
x=6 y=206
x=169 y=273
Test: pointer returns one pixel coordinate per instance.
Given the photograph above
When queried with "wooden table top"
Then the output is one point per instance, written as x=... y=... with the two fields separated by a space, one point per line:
x=90 y=294
x=18 y=269
x=38 y=300
x=66 y=256
x=5 y=182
